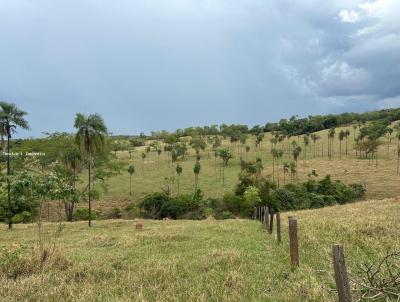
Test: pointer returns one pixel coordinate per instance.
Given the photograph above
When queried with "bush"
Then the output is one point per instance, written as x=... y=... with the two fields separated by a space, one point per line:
x=83 y=214
x=208 y=212
x=153 y=203
x=358 y=190
x=316 y=194
x=23 y=217
x=226 y=215
x=160 y=205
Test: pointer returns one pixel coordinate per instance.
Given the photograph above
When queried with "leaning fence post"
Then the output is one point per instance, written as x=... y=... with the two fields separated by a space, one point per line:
x=294 y=245
x=278 y=227
x=341 y=278
x=266 y=218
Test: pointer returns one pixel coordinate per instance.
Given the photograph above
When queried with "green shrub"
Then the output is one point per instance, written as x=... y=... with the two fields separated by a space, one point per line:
x=83 y=214
x=226 y=215
x=358 y=190
x=208 y=212
x=23 y=217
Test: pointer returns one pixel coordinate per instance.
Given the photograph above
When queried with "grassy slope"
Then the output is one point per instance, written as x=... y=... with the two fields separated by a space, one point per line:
x=381 y=182
x=232 y=260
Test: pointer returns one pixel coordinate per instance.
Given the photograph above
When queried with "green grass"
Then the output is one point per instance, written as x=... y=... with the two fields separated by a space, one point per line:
x=231 y=260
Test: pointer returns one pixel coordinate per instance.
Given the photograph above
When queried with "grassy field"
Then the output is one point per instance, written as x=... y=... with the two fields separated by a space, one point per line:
x=230 y=260
x=151 y=174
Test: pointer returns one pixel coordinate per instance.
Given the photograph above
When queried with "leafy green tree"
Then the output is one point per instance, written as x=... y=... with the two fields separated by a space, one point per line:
x=196 y=171
x=73 y=161
x=90 y=135
x=131 y=170
x=251 y=198
x=369 y=138
x=11 y=117
x=198 y=143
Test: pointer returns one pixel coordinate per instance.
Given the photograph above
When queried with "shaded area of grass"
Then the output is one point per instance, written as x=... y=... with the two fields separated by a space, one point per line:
x=232 y=260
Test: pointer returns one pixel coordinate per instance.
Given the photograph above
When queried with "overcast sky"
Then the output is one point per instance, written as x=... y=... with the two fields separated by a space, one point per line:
x=156 y=64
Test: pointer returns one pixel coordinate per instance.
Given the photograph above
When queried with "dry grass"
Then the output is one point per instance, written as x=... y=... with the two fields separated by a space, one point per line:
x=232 y=260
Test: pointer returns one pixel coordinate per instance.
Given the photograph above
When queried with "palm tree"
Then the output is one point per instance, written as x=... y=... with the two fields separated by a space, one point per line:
x=314 y=138
x=331 y=136
x=347 y=134
x=286 y=167
x=225 y=155
x=143 y=158
x=131 y=170
x=178 y=174
x=306 y=143
x=342 y=135
x=196 y=171
x=90 y=134
x=11 y=117
x=158 y=157
x=389 y=131
x=296 y=152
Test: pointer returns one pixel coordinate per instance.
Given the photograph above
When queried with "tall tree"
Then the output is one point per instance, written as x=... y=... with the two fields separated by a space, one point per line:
x=196 y=171
x=225 y=154
x=90 y=135
x=131 y=170
x=331 y=137
x=11 y=117
x=342 y=135
x=178 y=174
x=143 y=158
x=347 y=134
x=306 y=143
x=314 y=138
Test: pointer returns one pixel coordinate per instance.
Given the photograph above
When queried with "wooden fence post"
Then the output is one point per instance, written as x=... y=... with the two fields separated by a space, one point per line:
x=294 y=245
x=278 y=227
x=271 y=222
x=255 y=213
x=341 y=278
x=266 y=218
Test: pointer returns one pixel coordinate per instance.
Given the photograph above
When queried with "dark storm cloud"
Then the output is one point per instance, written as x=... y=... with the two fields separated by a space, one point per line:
x=150 y=65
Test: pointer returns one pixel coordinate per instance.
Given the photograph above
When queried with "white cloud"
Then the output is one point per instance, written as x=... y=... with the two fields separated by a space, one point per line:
x=349 y=16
